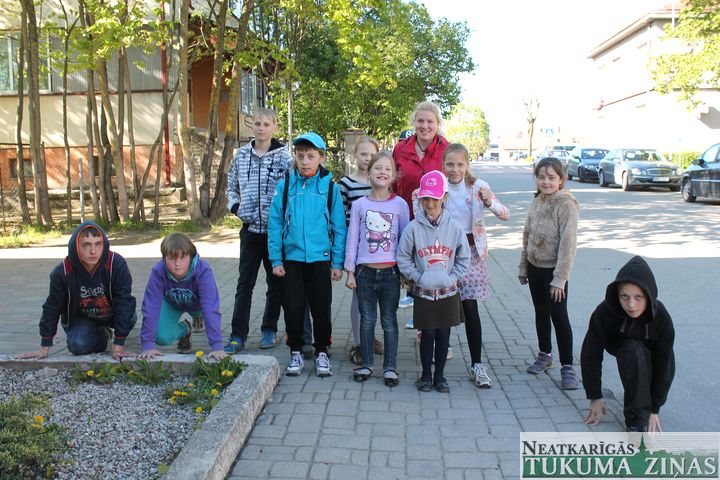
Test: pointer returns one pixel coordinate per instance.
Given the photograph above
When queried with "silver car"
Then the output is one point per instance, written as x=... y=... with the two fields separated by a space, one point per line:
x=638 y=167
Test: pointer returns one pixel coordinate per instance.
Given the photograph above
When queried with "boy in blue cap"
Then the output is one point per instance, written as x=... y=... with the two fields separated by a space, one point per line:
x=306 y=246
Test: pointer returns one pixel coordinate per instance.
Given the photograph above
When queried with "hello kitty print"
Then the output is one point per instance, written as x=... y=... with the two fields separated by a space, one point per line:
x=379 y=230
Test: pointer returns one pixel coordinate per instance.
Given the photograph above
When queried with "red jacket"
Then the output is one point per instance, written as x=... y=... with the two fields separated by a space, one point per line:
x=409 y=167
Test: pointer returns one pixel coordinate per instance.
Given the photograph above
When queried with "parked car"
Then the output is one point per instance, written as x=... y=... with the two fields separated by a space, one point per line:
x=562 y=155
x=583 y=163
x=638 y=167
x=702 y=177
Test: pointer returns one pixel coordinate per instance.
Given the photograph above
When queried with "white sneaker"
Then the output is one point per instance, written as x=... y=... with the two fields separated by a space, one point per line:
x=295 y=367
x=450 y=353
x=479 y=376
x=322 y=365
x=406 y=302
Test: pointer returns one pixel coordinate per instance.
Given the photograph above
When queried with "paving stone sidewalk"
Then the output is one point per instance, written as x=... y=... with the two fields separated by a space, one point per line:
x=335 y=428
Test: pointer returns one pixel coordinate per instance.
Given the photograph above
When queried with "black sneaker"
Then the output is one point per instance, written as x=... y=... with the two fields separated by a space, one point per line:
x=184 y=344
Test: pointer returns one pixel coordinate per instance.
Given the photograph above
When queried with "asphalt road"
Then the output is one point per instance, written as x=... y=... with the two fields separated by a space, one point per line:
x=680 y=242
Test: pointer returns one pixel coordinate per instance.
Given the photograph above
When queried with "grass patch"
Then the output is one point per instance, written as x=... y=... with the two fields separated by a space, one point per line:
x=228 y=221
x=24 y=235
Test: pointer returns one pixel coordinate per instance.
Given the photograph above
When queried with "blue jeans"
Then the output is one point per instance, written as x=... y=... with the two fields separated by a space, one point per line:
x=86 y=336
x=378 y=287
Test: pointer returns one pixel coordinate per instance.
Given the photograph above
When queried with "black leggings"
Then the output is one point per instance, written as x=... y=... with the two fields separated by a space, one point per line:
x=473 y=329
x=437 y=339
x=546 y=310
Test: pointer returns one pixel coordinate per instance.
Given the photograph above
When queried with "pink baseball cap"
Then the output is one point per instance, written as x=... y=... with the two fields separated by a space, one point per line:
x=433 y=184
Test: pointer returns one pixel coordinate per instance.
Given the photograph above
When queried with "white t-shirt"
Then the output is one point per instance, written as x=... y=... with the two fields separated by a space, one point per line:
x=458 y=204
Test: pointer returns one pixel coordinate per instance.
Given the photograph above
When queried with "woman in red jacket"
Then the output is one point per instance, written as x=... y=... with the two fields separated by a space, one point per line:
x=421 y=152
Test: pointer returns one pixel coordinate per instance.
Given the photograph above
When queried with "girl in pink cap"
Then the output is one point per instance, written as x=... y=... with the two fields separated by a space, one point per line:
x=434 y=255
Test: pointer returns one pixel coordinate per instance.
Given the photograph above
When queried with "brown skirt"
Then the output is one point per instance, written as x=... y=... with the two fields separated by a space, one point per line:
x=437 y=313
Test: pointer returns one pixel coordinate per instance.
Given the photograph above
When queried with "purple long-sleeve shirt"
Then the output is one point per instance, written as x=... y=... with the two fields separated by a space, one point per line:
x=197 y=292
x=374 y=230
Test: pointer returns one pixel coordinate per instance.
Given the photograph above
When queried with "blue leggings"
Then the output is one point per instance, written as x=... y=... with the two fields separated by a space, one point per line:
x=169 y=330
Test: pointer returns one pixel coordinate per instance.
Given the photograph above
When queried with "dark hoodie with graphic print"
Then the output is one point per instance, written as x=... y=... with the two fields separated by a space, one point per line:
x=103 y=295
x=609 y=325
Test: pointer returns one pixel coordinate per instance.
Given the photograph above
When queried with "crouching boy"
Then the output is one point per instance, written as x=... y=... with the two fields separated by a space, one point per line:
x=90 y=293
x=632 y=325
x=181 y=288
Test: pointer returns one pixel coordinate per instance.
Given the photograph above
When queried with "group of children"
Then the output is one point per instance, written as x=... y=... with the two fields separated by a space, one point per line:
x=307 y=230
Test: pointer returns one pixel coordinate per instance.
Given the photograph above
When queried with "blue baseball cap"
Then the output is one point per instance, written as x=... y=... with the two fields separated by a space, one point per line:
x=312 y=138
x=406 y=134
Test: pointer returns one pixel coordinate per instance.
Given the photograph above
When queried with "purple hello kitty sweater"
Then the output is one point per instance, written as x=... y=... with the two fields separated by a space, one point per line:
x=374 y=230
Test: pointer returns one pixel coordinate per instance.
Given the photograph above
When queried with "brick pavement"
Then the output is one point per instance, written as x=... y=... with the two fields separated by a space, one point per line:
x=334 y=428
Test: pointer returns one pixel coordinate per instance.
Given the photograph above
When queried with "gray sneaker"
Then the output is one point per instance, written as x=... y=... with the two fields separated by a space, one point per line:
x=479 y=376
x=542 y=363
x=568 y=378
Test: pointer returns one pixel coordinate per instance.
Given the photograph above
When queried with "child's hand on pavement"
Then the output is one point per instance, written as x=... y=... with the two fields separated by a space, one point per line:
x=149 y=354
x=217 y=355
x=39 y=354
x=597 y=410
x=279 y=271
x=336 y=274
x=118 y=353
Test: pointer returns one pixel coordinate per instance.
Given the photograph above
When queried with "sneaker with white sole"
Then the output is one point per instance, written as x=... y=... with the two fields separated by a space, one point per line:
x=295 y=367
x=322 y=365
x=479 y=376
x=198 y=325
x=568 y=378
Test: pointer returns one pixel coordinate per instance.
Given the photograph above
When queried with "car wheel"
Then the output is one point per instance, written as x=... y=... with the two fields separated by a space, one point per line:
x=601 y=179
x=687 y=191
x=569 y=176
x=581 y=175
x=625 y=185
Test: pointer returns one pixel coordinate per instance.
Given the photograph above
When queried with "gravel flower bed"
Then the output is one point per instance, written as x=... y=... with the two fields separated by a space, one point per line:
x=117 y=430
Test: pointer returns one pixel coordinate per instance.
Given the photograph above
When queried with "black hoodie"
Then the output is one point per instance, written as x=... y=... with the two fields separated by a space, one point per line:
x=609 y=324
x=103 y=295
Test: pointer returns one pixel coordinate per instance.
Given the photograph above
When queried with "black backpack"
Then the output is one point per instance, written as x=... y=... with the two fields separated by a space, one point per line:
x=286 y=189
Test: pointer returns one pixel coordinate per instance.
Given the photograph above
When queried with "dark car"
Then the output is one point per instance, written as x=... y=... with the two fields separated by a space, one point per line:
x=702 y=178
x=638 y=167
x=583 y=163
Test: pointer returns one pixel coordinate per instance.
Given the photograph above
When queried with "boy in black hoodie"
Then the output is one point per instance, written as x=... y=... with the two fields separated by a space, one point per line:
x=634 y=326
x=90 y=292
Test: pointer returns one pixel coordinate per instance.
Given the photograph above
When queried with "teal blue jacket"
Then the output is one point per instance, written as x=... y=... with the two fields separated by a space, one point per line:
x=309 y=232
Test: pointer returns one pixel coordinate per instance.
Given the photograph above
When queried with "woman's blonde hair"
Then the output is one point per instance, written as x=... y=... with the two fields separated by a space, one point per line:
x=380 y=155
x=459 y=148
x=428 y=106
x=366 y=139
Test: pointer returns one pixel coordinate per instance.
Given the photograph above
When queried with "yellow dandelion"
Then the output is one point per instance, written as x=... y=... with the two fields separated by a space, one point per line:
x=191 y=385
x=172 y=400
x=226 y=373
x=131 y=372
x=38 y=419
x=35 y=425
x=90 y=373
x=218 y=384
x=214 y=391
x=183 y=394
x=177 y=393
x=198 y=410
x=199 y=353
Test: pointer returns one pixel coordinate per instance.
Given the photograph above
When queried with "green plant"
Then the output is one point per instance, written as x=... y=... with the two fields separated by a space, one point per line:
x=28 y=443
x=185 y=226
x=228 y=221
x=684 y=159
x=142 y=372
x=210 y=379
x=24 y=235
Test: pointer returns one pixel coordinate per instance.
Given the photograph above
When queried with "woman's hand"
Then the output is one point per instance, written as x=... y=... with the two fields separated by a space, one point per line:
x=597 y=410
x=557 y=294
x=523 y=280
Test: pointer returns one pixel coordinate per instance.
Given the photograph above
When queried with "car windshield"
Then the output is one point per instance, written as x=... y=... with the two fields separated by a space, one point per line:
x=594 y=154
x=641 y=156
x=559 y=153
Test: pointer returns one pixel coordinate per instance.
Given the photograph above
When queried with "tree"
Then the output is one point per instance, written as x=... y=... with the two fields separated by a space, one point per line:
x=42 y=200
x=467 y=125
x=696 y=64
x=25 y=212
x=531 y=107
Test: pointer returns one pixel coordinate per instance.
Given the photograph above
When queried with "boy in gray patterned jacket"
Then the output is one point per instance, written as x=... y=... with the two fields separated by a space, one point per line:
x=255 y=170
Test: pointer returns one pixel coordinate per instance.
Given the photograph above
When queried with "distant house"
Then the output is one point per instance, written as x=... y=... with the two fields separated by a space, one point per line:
x=629 y=111
x=147 y=104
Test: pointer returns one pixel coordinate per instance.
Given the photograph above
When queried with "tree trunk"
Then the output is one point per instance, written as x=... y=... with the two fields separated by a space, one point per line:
x=107 y=161
x=183 y=118
x=206 y=165
x=218 y=203
x=114 y=139
x=90 y=102
x=131 y=131
x=25 y=211
x=42 y=200
x=68 y=185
